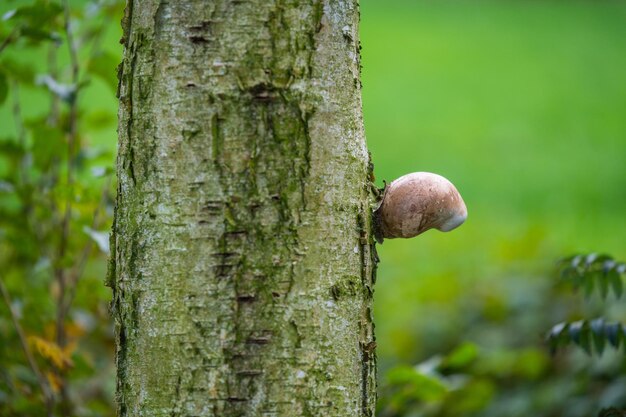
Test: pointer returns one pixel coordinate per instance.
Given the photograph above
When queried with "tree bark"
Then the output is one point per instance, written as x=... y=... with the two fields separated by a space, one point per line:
x=242 y=253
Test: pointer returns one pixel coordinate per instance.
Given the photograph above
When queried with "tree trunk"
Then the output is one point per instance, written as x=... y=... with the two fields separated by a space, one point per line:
x=243 y=258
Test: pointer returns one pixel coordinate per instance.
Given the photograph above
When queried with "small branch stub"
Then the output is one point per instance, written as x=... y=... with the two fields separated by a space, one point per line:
x=417 y=202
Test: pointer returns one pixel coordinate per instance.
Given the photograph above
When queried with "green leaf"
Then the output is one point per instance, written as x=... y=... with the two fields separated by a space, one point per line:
x=9 y=14
x=607 y=266
x=557 y=329
x=579 y=333
x=474 y=396
x=612 y=412
x=587 y=283
x=18 y=71
x=603 y=282
x=99 y=120
x=37 y=34
x=10 y=147
x=558 y=336
x=417 y=385
x=104 y=65
x=66 y=92
x=4 y=87
x=598 y=335
x=616 y=283
x=38 y=14
x=48 y=145
x=589 y=259
x=100 y=172
x=575 y=261
x=531 y=363
x=601 y=259
x=101 y=238
x=613 y=333
x=461 y=356
x=6 y=187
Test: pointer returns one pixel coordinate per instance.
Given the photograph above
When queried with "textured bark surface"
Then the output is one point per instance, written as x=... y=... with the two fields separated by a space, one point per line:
x=243 y=256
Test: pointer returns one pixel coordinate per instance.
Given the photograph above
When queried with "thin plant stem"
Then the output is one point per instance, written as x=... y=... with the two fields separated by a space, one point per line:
x=53 y=115
x=9 y=38
x=20 y=131
x=43 y=383
x=60 y=270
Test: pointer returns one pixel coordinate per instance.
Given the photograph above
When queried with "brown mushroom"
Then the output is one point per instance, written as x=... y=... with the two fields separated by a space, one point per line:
x=416 y=202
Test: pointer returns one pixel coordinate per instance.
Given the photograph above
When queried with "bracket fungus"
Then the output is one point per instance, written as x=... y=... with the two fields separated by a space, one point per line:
x=417 y=202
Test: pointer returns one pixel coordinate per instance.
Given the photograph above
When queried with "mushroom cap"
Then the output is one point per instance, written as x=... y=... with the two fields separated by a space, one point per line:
x=419 y=201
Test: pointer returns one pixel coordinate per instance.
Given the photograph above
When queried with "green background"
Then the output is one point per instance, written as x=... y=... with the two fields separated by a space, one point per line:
x=522 y=105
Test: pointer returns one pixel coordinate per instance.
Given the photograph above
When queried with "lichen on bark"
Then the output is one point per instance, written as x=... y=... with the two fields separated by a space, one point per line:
x=243 y=256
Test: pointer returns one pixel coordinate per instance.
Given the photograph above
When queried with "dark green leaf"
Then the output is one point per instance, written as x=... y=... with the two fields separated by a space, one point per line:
x=104 y=65
x=557 y=329
x=48 y=145
x=587 y=282
x=613 y=334
x=580 y=334
x=575 y=261
x=556 y=336
x=38 y=14
x=603 y=283
x=100 y=120
x=9 y=14
x=585 y=339
x=10 y=148
x=6 y=187
x=598 y=335
x=18 y=71
x=4 y=87
x=589 y=259
x=566 y=260
x=37 y=34
x=612 y=412
x=607 y=266
x=616 y=282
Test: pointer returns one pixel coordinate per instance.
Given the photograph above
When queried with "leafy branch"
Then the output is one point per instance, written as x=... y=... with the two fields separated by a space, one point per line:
x=43 y=383
x=591 y=273
x=588 y=333
x=594 y=272
x=46 y=203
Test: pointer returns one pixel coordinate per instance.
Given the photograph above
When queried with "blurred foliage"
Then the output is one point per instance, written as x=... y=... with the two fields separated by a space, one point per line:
x=594 y=271
x=55 y=208
x=520 y=103
x=591 y=272
x=475 y=381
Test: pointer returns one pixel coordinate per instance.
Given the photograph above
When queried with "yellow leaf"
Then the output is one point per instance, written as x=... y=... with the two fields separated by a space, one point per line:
x=55 y=382
x=69 y=349
x=74 y=330
x=52 y=352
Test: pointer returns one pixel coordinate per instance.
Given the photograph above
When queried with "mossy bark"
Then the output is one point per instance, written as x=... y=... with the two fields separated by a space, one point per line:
x=243 y=261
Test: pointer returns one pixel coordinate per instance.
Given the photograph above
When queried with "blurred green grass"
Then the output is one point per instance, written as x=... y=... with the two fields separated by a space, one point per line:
x=522 y=104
